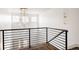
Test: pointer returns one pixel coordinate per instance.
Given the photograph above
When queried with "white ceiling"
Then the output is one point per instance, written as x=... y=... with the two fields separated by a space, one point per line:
x=16 y=10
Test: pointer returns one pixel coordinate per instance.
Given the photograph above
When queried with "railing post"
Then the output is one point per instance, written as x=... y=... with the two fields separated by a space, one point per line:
x=3 y=39
x=46 y=35
x=66 y=38
x=29 y=38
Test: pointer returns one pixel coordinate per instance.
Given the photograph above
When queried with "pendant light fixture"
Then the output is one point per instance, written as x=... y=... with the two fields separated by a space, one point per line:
x=23 y=14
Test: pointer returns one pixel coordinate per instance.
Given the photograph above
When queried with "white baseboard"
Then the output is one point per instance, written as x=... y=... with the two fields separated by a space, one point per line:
x=72 y=46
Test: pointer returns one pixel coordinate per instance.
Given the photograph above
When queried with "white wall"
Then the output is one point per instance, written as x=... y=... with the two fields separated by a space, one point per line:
x=72 y=26
x=5 y=21
x=52 y=18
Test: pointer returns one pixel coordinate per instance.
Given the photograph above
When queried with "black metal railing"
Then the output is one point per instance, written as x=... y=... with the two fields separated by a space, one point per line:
x=58 y=38
x=14 y=39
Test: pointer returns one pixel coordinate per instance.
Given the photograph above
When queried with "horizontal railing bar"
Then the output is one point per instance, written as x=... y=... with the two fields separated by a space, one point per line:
x=12 y=47
x=60 y=39
x=23 y=37
x=16 y=33
x=55 y=36
x=33 y=28
x=8 y=45
x=58 y=44
x=63 y=36
x=54 y=32
x=22 y=29
x=13 y=29
x=60 y=47
x=35 y=40
x=17 y=39
x=58 y=29
x=14 y=42
x=26 y=30
x=51 y=29
x=16 y=36
x=7 y=42
x=50 y=34
x=38 y=38
x=37 y=33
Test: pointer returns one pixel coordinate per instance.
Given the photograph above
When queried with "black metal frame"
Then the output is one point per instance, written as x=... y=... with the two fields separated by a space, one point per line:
x=66 y=39
x=38 y=28
x=46 y=35
x=3 y=38
x=29 y=38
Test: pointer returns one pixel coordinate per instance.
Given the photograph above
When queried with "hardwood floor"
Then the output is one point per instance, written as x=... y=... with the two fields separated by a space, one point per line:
x=44 y=46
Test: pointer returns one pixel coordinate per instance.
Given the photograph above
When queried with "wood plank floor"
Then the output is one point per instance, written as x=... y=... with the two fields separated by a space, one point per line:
x=44 y=46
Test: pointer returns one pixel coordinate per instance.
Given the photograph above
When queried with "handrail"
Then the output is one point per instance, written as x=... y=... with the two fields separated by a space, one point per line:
x=32 y=28
x=58 y=29
x=21 y=29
